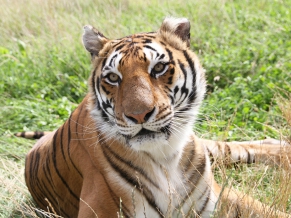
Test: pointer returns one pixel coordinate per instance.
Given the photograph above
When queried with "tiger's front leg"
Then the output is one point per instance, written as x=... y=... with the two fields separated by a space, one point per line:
x=96 y=199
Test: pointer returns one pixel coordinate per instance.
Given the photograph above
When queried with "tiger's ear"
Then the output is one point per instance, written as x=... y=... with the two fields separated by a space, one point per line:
x=93 y=40
x=177 y=26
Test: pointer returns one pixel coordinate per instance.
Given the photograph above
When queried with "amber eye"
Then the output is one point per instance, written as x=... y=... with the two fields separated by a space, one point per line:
x=112 y=78
x=159 y=69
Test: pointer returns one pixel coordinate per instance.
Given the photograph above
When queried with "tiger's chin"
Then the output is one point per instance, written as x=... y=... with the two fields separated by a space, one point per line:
x=147 y=140
x=156 y=144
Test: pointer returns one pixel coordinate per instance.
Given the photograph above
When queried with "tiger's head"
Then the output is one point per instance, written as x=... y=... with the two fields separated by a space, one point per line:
x=146 y=88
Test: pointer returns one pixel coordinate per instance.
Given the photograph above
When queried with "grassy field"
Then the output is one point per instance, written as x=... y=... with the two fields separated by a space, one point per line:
x=245 y=47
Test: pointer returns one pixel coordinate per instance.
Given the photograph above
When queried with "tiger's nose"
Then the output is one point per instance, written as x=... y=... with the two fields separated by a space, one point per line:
x=140 y=118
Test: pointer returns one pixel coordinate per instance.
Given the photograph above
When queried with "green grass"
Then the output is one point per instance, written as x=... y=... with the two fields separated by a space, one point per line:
x=245 y=47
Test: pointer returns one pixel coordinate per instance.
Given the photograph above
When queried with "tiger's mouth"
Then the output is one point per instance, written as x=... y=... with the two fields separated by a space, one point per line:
x=146 y=133
x=147 y=140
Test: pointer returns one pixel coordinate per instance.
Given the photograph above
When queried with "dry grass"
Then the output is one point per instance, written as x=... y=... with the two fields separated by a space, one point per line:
x=269 y=184
x=15 y=198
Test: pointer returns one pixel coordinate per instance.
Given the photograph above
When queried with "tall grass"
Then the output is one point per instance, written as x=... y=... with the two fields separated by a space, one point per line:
x=245 y=47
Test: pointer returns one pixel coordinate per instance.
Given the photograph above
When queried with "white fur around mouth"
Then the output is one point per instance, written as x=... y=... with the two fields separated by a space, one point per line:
x=141 y=141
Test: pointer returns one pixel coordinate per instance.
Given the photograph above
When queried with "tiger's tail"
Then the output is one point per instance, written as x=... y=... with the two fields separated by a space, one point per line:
x=31 y=134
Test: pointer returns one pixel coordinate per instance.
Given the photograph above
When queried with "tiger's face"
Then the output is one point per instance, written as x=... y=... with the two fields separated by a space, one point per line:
x=147 y=87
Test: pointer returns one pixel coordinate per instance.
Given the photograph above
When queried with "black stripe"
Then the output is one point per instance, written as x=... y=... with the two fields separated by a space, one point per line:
x=249 y=157
x=176 y=89
x=42 y=192
x=36 y=162
x=193 y=94
x=153 y=37
x=149 y=47
x=195 y=176
x=210 y=155
x=172 y=99
x=139 y=36
x=25 y=173
x=31 y=166
x=120 y=47
x=227 y=153
x=43 y=189
x=184 y=90
x=93 y=80
x=62 y=146
x=103 y=63
x=105 y=90
x=167 y=89
x=104 y=116
x=164 y=121
x=200 y=169
x=172 y=71
x=170 y=54
x=135 y=168
x=113 y=58
x=146 y=41
x=185 y=108
x=38 y=135
x=37 y=195
x=98 y=87
x=128 y=177
x=170 y=80
x=162 y=56
x=50 y=181
x=238 y=159
x=57 y=170
x=69 y=138
x=164 y=44
x=205 y=202
x=227 y=150
x=144 y=57
x=165 y=115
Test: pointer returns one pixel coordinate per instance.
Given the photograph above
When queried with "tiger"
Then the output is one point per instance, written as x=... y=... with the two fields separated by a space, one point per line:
x=128 y=149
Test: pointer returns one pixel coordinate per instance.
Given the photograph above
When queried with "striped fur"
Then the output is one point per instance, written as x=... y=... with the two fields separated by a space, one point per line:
x=128 y=148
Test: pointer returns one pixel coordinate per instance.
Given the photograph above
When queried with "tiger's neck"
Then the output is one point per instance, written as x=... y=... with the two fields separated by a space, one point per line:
x=160 y=183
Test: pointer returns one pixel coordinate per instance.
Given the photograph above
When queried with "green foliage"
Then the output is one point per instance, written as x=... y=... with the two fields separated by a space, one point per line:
x=247 y=63
x=47 y=76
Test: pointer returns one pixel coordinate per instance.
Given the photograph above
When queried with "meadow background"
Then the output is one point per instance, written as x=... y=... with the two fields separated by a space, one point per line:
x=245 y=47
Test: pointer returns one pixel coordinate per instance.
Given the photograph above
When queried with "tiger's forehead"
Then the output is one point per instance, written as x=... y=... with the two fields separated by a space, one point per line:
x=128 y=41
x=135 y=48
x=133 y=44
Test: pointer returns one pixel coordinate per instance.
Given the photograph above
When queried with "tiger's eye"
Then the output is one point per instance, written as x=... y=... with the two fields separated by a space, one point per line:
x=159 y=67
x=113 y=77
